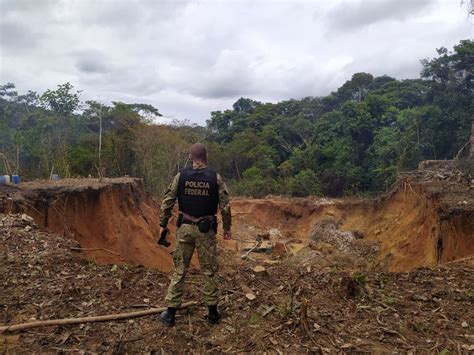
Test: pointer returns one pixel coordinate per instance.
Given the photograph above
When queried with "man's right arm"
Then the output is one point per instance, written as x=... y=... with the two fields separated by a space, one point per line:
x=168 y=202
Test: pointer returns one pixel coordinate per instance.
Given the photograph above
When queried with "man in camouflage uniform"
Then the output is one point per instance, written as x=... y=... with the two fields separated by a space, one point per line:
x=200 y=191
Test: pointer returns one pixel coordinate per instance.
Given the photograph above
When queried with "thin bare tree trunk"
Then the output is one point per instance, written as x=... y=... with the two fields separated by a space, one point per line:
x=70 y=321
x=471 y=150
x=17 y=168
x=100 y=138
x=237 y=169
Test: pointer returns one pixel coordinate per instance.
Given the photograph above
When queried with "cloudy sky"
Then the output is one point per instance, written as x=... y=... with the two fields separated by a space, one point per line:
x=188 y=58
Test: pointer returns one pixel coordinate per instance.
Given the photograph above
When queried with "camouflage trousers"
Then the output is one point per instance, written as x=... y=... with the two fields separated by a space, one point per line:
x=188 y=238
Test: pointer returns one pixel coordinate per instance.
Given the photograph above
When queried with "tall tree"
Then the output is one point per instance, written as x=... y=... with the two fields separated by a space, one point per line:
x=361 y=81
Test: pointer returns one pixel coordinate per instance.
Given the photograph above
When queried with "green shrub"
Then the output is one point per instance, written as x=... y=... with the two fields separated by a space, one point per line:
x=305 y=183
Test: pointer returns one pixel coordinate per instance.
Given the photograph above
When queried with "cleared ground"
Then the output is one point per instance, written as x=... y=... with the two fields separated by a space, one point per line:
x=326 y=286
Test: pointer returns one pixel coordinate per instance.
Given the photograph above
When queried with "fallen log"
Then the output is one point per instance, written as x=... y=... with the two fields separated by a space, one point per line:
x=70 y=321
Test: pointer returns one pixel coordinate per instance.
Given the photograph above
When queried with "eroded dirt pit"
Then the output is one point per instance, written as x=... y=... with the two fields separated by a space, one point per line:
x=394 y=273
x=428 y=219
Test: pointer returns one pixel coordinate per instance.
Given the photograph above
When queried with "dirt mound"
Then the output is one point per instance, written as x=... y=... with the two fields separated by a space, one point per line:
x=113 y=220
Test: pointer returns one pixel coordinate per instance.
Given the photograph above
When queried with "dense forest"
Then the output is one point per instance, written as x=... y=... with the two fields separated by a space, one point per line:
x=353 y=141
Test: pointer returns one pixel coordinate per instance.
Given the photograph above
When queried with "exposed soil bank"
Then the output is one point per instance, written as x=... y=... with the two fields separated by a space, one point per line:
x=114 y=221
x=424 y=221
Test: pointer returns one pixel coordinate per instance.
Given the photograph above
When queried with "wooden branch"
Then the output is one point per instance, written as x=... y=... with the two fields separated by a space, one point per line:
x=304 y=320
x=70 y=321
x=6 y=163
x=246 y=254
x=460 y=150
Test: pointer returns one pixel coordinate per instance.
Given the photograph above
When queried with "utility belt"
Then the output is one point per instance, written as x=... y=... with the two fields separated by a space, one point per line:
x=204 y=224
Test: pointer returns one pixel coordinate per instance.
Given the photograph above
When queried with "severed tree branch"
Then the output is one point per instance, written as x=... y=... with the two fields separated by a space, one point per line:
x=70 y=321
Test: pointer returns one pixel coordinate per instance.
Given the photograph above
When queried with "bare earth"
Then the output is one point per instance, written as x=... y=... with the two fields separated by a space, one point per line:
x=395 y=274
x=427 y=309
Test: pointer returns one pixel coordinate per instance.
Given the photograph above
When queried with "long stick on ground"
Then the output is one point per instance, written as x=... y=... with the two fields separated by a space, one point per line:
x=69 y=321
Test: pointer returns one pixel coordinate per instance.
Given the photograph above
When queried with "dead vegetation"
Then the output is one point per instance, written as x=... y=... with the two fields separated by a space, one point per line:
x=312 y=301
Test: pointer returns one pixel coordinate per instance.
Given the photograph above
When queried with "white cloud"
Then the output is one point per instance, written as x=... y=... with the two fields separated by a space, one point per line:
x=189 y=58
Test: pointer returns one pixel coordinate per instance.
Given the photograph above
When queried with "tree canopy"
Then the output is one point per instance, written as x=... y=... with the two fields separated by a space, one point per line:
x=352 y=141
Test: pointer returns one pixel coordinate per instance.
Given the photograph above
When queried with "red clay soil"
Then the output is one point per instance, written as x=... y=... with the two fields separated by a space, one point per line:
x=424 y=221
x=427 y=219
x=114 y=221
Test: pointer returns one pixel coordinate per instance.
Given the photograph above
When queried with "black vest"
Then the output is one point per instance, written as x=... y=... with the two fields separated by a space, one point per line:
x=198 y=194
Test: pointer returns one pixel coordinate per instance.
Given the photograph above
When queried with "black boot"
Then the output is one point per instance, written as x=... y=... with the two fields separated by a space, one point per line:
x=167 y=317
x=214 y=316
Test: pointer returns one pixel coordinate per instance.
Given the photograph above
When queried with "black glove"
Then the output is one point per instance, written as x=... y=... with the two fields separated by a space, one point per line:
x=162 y=240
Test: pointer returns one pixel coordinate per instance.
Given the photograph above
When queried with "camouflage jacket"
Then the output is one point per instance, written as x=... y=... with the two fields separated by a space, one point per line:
x=172 y=193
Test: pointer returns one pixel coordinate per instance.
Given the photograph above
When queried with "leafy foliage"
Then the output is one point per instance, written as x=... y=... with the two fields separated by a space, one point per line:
x=354 y=140
x=351 y=141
